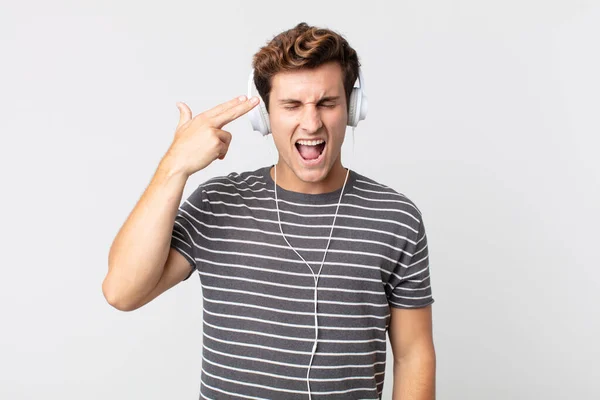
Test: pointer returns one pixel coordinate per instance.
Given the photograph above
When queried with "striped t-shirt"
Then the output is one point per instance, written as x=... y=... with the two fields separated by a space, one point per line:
x=258 y=294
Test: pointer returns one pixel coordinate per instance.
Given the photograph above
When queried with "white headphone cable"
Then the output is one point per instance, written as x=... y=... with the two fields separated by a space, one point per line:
x=314 y=349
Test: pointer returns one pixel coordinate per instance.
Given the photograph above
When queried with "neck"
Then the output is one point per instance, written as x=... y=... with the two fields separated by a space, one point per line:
x=287 y=179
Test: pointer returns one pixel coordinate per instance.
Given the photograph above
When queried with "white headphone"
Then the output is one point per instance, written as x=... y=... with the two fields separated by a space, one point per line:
x=259 y=117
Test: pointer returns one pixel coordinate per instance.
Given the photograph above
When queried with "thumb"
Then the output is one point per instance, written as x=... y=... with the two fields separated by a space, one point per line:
x=185 y=114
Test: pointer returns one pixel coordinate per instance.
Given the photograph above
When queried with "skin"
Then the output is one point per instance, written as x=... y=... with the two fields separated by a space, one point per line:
x=309 y=116
x=141 y=263
x=411 y=339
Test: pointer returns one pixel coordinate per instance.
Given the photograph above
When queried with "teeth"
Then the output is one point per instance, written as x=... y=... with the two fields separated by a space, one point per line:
x=310 y=142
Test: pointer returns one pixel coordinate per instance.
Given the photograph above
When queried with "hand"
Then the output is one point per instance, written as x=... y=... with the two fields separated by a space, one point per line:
x=200 y=140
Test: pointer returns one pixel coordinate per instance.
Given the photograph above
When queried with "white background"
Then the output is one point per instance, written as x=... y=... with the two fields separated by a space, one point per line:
x=486 y=114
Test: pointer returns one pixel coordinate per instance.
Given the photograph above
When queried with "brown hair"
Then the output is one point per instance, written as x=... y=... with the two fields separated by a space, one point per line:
x=303 y=46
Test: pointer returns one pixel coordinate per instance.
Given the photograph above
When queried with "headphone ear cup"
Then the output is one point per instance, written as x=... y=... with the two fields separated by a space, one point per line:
x=264 y=116
x=259 y=119
x=255 y=119
x=353 y=107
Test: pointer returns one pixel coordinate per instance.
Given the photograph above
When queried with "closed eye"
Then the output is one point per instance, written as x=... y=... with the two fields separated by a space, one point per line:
x=320 y=105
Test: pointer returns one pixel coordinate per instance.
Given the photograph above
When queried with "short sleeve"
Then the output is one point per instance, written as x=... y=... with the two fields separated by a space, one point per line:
x=409 y=285
x=184 y=237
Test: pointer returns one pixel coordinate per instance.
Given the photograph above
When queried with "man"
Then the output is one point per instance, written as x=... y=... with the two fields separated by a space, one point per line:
x=273 y=326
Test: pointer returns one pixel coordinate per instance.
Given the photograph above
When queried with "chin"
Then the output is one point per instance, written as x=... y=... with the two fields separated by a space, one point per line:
x=311 y=175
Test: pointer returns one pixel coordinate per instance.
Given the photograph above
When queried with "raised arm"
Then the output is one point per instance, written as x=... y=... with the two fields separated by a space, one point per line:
x=140 y=263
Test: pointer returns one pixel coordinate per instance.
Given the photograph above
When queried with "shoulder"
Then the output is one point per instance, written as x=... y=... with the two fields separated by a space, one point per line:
x=234 y=187
x=386 y=202
x=234 y=181
x=378 y=192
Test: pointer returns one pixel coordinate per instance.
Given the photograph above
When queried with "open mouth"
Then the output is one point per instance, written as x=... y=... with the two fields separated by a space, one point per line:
x=311 y=150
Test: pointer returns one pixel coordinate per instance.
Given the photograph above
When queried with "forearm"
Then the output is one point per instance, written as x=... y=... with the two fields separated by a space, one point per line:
x=139 y=251
x=414 y=376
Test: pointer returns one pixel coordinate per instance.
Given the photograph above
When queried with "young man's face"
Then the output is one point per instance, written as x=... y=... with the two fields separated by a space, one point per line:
x=309 y=104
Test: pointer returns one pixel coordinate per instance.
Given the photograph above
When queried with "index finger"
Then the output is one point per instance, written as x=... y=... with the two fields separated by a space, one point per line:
x=234 y=112
x=222 y=107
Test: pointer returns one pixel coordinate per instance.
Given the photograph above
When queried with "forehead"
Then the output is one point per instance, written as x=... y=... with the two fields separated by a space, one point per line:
x=326 y=79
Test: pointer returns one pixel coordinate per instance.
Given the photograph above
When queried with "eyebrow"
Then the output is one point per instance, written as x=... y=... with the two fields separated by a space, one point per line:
x=324 y=99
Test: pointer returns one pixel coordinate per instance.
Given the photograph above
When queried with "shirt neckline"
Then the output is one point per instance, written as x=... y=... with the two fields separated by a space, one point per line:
x=306 y=197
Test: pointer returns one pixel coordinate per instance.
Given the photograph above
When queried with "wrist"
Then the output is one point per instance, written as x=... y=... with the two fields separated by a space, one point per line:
x=170 y=168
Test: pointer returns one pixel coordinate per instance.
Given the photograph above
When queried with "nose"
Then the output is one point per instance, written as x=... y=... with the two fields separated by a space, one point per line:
x=310 y=120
